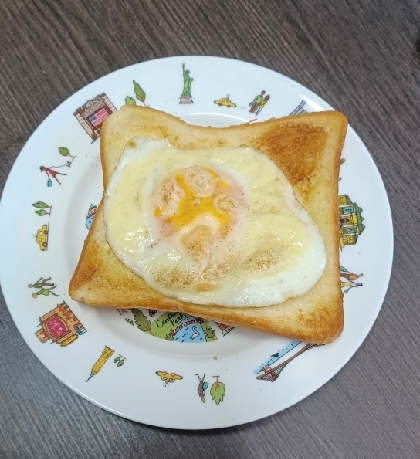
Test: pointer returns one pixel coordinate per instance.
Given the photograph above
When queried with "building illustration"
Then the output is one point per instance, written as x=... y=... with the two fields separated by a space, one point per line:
x=90 y=215
x=93 y=113
x=60 y=326
x=351 y=219
x=300 y=109
x=225 y=329
x=272 y=373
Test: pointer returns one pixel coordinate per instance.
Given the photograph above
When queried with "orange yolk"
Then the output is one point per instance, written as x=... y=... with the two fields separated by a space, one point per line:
x=191 y=206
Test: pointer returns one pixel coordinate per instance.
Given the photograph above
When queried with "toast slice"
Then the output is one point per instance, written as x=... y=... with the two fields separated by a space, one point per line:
x=306 y=148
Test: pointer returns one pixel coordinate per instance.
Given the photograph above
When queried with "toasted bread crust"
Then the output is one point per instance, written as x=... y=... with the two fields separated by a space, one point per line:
x=306 y=148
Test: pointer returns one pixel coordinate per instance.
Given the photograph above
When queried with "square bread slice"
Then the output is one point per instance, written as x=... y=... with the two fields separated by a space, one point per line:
x=306 y=148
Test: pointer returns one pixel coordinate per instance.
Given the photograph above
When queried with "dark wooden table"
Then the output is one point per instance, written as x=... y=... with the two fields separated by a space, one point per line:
x=361 y=57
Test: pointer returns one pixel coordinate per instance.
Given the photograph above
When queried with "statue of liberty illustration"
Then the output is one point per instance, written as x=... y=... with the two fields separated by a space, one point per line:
x=186 y=97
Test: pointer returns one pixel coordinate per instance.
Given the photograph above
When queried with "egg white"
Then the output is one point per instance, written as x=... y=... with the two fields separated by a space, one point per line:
x=272 y=251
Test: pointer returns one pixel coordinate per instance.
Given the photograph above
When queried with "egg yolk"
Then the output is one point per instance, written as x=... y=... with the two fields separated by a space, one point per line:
x=204 y=192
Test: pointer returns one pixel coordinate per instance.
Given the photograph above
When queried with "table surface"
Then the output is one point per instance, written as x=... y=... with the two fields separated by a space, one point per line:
x=364 y=59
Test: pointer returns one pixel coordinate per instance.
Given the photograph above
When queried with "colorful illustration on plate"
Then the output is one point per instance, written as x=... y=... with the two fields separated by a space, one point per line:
x=348 y=279
x=278 y=355
x=351 y=219
x=52 y=173
x=44 y=287
x=217 y=391
x=225 y=329
x=225 y=102
x=270 y=373
x=152 y=312
x=93 y=113
x=202 y=387
x=120 y=360
x=186 y=97
x=259 y=103
x=139 y=93
x=42 y=237
x=173 y=326
x=98 y=365
x=122 y=311
x=64 y=151
x=90 y=215
x=43 y=208
x=168 y=378
x=60 y=325
x=299 y=110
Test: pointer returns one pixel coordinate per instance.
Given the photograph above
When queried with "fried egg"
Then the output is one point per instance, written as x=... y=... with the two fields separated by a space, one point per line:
x=211 y=226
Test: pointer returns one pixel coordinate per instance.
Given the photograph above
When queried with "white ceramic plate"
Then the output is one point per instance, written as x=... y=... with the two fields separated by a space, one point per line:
x=203 y=375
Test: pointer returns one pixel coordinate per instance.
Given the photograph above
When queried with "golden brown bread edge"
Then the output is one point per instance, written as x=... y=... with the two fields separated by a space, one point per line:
x=306 y=148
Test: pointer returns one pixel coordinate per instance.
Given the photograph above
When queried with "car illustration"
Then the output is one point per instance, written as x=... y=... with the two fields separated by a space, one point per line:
x=42 y=237
x=225 y=102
